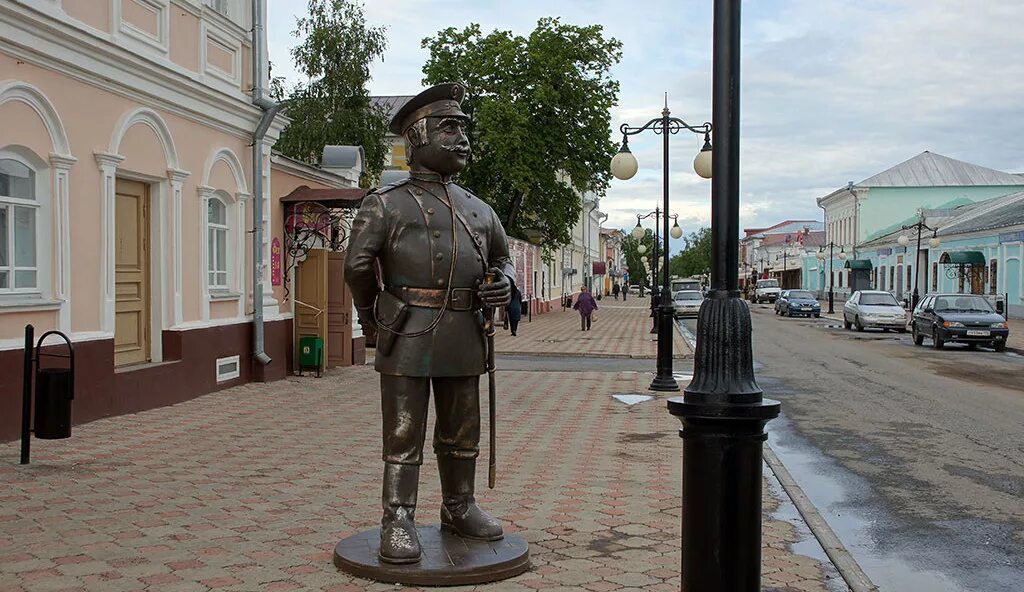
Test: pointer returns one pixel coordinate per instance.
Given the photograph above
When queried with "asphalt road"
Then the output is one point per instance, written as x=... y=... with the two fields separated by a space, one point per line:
x=915 y=456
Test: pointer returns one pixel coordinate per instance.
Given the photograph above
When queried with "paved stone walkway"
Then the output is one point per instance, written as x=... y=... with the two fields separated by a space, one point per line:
x=619 y=329
x=249 y=489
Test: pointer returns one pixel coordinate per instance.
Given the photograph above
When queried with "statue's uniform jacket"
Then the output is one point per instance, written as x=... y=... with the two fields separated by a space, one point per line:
x=407 y=227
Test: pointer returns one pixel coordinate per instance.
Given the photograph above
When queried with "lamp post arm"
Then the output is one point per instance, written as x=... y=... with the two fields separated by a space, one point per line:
x=659 y=124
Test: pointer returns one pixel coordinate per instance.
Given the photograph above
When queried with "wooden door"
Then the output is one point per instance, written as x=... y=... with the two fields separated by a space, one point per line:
x=131 y=273
x=311 y=298
x=339 y=313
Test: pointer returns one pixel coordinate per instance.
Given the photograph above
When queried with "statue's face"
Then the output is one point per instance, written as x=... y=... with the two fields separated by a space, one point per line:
x=445 y=150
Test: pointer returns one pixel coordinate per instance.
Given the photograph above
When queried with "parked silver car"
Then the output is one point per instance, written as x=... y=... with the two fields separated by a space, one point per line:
x=874 y=308
x=687 y=302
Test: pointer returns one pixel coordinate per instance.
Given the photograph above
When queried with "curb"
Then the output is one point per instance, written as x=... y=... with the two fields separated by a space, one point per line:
x=848 y=568
x=584 y=355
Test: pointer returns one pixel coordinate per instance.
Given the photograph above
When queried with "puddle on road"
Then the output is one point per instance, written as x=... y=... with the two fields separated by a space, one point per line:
x=896 y=554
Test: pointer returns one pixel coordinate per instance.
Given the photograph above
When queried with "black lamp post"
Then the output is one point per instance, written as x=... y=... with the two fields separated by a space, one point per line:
x=723 y=411
x=638 y=233
x=933 y=242
x=831 y=276
x=624 y=166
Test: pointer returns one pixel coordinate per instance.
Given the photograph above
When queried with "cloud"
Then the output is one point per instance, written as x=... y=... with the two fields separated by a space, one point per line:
x=832 y=90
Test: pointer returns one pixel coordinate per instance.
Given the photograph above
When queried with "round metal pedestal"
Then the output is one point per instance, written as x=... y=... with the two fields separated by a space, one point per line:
x=447 y=560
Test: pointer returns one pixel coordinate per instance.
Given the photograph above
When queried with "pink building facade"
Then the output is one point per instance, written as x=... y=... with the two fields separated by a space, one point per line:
x=126 y=199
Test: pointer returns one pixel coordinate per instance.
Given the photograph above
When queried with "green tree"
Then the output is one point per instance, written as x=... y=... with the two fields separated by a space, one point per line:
x=634 y=259
x=539 y=110
x=695 y=258
x=333 y=106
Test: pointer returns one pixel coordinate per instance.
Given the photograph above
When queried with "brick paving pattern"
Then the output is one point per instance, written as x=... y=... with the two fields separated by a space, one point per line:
x=250 y=488
x=620 y=329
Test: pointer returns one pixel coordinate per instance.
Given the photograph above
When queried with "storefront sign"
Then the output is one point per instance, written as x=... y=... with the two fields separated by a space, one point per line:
x=275 y=262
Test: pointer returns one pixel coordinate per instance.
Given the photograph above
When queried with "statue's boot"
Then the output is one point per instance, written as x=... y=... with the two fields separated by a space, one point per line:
x=399 y=542
x=459 y=512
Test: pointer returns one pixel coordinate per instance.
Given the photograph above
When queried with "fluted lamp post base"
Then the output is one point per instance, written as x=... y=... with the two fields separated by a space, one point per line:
x=723 y=414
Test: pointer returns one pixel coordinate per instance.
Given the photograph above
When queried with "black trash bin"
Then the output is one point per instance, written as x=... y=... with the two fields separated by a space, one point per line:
x=54 y=393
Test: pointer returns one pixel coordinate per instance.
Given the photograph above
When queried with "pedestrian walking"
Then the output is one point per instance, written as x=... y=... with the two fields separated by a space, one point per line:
x=514 y=310
x=625 y=291
x=615 y=290
x=586 y=305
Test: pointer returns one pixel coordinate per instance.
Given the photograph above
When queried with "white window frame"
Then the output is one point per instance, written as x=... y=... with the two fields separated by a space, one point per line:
x=43 y=227
x=223 y=376
x=226 y=228
x=215 y=4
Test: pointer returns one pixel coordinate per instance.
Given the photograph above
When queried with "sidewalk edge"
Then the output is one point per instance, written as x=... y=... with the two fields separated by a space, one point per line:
x=848 y=568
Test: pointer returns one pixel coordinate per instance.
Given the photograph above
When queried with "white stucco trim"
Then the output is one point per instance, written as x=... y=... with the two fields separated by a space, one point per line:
x=151 y=119
x=23 y=92
x=228 y=157
x=50 y=40
x=78 y=337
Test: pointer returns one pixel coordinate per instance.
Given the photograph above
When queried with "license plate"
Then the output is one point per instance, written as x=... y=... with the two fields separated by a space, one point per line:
x=976 y=333
x=807 y=308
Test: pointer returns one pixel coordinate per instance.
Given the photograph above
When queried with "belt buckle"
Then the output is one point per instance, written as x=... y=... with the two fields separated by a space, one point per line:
x=462 y=299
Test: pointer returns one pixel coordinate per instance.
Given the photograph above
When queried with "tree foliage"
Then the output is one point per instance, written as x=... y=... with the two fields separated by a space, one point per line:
x=634 y=259
x=695 y=258
x=333 y=106
x=539 y=110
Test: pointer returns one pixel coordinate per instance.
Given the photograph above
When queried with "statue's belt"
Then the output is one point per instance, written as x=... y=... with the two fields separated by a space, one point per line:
x=461 y=299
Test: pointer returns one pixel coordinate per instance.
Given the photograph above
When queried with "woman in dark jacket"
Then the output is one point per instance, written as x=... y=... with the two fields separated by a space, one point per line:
x=514 y=310
x=586 y=305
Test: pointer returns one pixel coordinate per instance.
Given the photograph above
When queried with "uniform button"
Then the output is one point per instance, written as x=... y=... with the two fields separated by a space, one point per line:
x=417 y=191
x=439 y=256
x=474 y=214
x=479 y=258
x=430 y=210
x=437 y=234
x=440 y=282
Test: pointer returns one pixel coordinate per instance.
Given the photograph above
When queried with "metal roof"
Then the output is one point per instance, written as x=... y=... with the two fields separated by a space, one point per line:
x=392 y=102
x=935 y=170
x=1000 y=212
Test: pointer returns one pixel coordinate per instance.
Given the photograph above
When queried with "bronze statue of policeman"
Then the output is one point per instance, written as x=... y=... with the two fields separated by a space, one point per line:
x=425 y=257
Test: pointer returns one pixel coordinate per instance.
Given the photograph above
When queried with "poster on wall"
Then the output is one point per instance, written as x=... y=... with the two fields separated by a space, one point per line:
x=275 y=262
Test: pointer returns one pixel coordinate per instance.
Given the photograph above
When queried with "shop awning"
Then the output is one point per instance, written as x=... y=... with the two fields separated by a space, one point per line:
x=858 y=264
x=963 y=258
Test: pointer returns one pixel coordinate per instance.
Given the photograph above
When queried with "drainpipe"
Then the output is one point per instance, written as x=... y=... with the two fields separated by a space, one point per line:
x=270 y=109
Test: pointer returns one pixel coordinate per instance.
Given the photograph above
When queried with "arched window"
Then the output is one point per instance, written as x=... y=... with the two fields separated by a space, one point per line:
x=19 y=226
x=217 y=234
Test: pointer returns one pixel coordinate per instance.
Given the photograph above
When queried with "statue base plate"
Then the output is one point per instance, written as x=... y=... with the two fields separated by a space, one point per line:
x=447 y=560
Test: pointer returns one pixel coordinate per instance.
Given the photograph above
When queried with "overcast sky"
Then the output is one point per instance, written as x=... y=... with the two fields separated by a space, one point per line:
x=832 y=90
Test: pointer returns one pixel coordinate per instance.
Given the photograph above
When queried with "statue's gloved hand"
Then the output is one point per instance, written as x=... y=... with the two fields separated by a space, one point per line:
x=499 y=292
x=369 y=325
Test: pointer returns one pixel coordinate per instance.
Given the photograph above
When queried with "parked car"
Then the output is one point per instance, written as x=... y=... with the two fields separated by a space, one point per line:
x=634 y=289
x=687 y=303
x=766 y=291
x=961 y=318
x=874 y=308
x=797 y=302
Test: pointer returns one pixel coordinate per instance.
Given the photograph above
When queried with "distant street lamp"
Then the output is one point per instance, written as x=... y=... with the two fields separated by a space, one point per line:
x=831 y=276
x=624 y=166
x=933 y=242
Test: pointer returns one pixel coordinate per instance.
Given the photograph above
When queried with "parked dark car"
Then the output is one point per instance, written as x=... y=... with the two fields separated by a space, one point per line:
x=960 y=318
x=791 y=303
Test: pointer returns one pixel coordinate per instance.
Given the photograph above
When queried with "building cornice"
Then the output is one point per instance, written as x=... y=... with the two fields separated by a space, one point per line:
x=44 y=39
x=306 y=171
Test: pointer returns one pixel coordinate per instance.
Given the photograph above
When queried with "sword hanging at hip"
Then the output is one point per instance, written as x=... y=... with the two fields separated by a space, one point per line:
x=492 y=461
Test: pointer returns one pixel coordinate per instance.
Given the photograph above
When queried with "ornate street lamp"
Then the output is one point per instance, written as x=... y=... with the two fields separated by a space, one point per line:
x=624 y=166
x=723 y=410
x=933 y=242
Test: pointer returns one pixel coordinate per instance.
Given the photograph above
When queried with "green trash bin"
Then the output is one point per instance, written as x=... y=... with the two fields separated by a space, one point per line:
x=311 y=353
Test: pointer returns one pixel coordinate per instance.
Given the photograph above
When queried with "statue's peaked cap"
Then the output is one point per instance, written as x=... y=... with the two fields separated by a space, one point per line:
x=443 y=100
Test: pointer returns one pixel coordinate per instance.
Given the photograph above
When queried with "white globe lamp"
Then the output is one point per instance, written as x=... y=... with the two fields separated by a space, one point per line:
x=624 y=164
x=903 y=240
